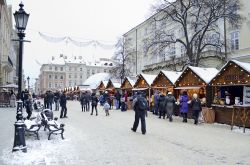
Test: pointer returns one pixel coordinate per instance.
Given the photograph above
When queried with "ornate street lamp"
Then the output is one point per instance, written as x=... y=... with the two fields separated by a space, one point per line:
x=28 y=79
x=21 y=19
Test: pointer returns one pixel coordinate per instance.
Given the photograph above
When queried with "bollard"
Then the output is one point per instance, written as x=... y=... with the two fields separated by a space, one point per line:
x=19 y=136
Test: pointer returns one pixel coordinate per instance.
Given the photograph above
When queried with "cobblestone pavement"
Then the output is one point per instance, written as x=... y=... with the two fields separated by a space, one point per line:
x=98 y=140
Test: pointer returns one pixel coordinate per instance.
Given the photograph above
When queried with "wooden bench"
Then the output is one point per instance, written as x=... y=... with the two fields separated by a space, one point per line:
x=32 y=126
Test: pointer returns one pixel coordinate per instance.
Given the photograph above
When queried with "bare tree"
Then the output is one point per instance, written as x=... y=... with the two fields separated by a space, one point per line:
x=199 y=21
x=122 y=58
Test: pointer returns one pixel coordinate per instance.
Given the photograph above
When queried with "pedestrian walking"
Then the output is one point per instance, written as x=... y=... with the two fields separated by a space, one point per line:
x=162 y=106
x=170 y=105
x=94 y=102
x=12 y=99
x=106 y=107
x=50 y=99
x=83 y=102
x=140 y=105
x=56 y=100
x=117 y=100
x=87 y=99
x=28 y=106
x=63 y=103
x=196 y=107
x=156 y=104
x=184 y=106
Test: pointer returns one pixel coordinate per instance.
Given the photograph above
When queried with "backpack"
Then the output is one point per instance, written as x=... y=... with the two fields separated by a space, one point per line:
x=142 y=103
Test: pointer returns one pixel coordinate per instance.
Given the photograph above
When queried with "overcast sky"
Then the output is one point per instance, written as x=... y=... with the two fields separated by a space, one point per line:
x=102 y=20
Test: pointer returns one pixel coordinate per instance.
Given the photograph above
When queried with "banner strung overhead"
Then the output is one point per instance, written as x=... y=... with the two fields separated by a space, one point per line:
x=67 y=39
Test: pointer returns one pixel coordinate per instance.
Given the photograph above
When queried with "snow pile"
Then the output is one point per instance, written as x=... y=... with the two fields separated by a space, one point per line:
x=206 y=74
x=236 y=129
x=94 y=80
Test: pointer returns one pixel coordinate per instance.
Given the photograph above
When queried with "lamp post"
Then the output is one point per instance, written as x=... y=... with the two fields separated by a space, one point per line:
x=28 y=79
x=21 y=19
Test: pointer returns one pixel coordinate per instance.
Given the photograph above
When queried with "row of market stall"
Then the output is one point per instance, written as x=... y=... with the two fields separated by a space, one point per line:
x=222 y=90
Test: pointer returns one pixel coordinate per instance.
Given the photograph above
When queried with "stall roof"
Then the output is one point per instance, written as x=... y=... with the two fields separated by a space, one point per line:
x=171 y=75
x=94 y=80
x=206 y=74
x=117 y=85
x=131 y=80
x=148 y=78
x=244 y=65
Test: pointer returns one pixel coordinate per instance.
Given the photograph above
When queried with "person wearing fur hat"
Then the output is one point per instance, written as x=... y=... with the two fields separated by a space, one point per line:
x=170 y=105
x=196 y=107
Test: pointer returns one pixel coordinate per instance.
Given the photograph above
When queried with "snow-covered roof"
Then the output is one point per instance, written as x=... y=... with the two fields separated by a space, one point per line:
x=117 y=85
x=94 y=80
x=171 y=75
x=148 y=78
x=206 y=74
x=244 y=65
x=58 y=61
x=131 y=80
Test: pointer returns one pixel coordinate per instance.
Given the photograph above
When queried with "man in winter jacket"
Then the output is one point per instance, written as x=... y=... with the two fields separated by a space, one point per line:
x=170 y=105
x=63 y=102
x=140 y=113
x=162 y=106
x=196 y=107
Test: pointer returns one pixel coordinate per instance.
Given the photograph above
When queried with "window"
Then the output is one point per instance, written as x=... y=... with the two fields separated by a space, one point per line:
x=235 y=41
x=55 y=76
x=55 y=68
x=50 y=76
x=70 y=83
x=75 y=75
x=172 y=50
x=81 y=76
x=55 y=85
x=69 y=68
x=75 y=68
x=61 y=77
x=80 y=69
x=50 y=67
x=69 y=75
x=105 y=70
x=93 y=71
x=50 y=85
x=61 y=68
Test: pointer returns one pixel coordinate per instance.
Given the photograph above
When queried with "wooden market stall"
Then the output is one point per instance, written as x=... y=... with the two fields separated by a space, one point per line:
x=112 y=87
x=231 y=90
x=127 y=86
x=195 y=80
x=102 y=86
x=165 y=81
x=143 y=83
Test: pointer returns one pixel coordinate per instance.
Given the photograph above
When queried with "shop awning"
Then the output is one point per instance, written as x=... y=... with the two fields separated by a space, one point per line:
x=188 y=87
x=139 y=89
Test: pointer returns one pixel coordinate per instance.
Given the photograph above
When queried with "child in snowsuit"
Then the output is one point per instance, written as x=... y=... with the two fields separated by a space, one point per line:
x=106 y=108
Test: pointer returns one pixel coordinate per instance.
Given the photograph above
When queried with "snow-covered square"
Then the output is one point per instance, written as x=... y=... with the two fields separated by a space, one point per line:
x=98 y=140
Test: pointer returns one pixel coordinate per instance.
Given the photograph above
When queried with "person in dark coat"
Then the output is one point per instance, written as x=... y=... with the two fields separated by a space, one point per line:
x=161 y=106
x=184 y=106
x=50 y=99
x=87 y=98
x=94 y=102
x=56 y=100
x=196 y=107
x=28 y=106
x=83 y=102
x=25 y=97
x=118 y=100
x=139 y=113
x=63 y=103
x=170 y=105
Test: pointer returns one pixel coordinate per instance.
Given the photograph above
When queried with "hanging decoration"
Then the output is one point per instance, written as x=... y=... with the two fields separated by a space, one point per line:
x=67 y=39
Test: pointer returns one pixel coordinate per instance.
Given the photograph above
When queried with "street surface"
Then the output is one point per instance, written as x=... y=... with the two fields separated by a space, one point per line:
x=98 y=140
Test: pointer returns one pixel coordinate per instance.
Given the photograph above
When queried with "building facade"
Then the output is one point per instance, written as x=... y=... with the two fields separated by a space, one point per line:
x=8 y=48
x=154 y=59
x=65 y=72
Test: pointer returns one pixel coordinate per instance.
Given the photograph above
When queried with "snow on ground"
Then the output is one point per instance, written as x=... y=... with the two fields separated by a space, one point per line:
x=98 y=140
